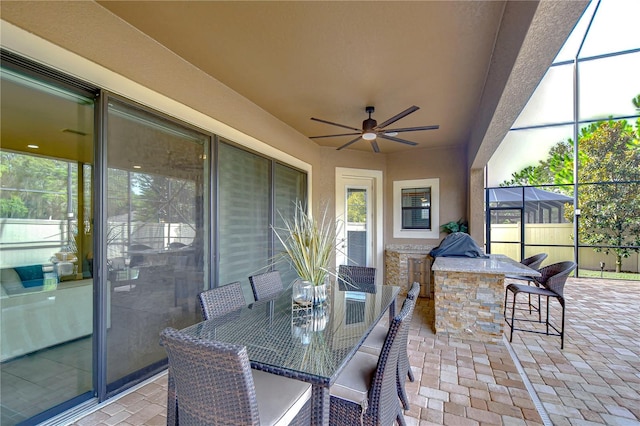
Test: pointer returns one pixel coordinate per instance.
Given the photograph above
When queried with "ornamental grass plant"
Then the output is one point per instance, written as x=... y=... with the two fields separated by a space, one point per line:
x=308 y=244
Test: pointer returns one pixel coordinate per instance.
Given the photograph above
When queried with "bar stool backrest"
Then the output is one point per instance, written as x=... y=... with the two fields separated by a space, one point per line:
x=553 y=277
x=534 y=261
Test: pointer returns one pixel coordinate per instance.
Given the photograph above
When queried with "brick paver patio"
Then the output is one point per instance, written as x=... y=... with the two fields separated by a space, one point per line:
x=594 y=380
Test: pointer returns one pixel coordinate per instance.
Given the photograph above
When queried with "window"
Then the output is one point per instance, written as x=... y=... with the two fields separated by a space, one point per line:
x=416 y=208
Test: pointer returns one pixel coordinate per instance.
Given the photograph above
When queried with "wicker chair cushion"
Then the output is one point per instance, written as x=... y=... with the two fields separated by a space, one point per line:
x=354 y=381
x=279 y=398
x=381 y=404
x=374 y=341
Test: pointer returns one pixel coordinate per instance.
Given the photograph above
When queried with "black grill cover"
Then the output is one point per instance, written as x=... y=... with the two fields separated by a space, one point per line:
x=458 y=244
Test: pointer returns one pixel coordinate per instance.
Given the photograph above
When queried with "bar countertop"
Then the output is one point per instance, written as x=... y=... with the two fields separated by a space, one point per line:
x=494 y=264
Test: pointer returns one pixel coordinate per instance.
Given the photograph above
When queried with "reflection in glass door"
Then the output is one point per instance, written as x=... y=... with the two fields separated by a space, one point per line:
x=359 y=205
x=46 y=245
x=155 y=236
x=357 y=241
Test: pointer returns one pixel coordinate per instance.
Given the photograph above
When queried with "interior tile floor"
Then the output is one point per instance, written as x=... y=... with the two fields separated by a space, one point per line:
x=595 y=380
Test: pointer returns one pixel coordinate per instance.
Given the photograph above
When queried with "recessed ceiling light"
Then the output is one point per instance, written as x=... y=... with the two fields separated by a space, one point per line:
x=33 y=146
x=137 y=167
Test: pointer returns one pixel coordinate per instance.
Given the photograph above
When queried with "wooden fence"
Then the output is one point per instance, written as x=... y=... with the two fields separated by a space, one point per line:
x=554 y=234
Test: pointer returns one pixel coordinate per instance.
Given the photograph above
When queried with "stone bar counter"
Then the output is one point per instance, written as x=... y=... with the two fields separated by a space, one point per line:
x=469 y=295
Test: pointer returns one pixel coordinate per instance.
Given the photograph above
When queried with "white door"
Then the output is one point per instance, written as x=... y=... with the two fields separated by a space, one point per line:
x=359 y=207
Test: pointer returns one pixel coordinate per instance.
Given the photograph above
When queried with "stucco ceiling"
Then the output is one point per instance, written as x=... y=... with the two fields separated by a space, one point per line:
x=329 y=60
x=469 y=66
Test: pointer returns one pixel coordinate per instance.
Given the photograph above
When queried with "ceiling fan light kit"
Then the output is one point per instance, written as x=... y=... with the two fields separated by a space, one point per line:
x=371 y=130
x=369 y=136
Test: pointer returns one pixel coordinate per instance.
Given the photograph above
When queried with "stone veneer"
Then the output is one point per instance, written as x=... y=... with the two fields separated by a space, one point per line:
x=397 y=264
x=469 y=295
x=470 y=305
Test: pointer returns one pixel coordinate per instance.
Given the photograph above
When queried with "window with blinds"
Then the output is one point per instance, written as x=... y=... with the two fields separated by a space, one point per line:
x=290 y=186
x=247 y=183
x=243 y=215
x=416 y=208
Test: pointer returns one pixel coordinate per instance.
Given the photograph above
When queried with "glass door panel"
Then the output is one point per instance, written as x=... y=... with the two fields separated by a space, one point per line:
x=244 y=215
x=357 y=233
x=290 y=186
x=46 y=280
x=155 y=232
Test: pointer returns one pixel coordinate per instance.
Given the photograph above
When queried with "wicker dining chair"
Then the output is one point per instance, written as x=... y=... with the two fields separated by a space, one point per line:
x=357 y=278
x=374 y=342
x=221 y=300
x=212 y=383
x=551 y=281
x=266 y=286
x=365 y=392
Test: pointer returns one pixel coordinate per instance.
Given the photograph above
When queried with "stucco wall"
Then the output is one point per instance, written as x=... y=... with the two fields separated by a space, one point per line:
x=149 y=72
x=447 y=164
x=330 y=158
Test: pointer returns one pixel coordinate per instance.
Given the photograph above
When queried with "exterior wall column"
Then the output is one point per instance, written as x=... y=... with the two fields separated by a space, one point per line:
x=476 y=206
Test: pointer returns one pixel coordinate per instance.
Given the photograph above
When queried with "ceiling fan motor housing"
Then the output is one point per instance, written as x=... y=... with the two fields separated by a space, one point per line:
x=368 y=125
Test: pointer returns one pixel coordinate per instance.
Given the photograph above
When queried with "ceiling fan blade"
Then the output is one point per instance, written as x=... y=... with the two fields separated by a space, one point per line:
x=330 y=136
x=412 y=129
x=348 y=143
x=398 y=116
x=375 y=146
x=391 y=138
x=335 y=124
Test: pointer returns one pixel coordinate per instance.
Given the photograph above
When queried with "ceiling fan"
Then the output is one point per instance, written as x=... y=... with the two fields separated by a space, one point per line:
x=371 y=130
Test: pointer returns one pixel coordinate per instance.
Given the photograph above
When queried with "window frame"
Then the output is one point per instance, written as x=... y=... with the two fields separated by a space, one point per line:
x=398 y=186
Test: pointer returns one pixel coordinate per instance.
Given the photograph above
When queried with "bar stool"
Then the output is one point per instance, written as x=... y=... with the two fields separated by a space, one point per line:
x=552 y=280
x=532 y=262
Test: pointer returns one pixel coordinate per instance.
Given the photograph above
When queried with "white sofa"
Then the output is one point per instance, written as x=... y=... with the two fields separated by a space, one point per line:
x=40 y=316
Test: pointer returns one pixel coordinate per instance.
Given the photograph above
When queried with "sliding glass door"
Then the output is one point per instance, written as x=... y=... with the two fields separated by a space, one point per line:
x=155 y=235
x=46 y=246
x=83 y=301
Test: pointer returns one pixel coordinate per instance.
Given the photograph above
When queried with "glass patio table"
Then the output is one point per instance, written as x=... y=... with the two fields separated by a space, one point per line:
x=303 y=343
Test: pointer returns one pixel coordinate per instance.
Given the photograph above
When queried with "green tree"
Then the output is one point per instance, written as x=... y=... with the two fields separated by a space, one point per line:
x=556 y=169
x=163 y=199
x=40 y=183
x=609 y=177
x=13 y=207
x=610 y=206
x=357 y=207
x=636 y=102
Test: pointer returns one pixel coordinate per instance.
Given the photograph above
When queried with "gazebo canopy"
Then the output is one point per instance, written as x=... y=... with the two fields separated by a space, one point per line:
x=511 y=195
x=539 y=206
